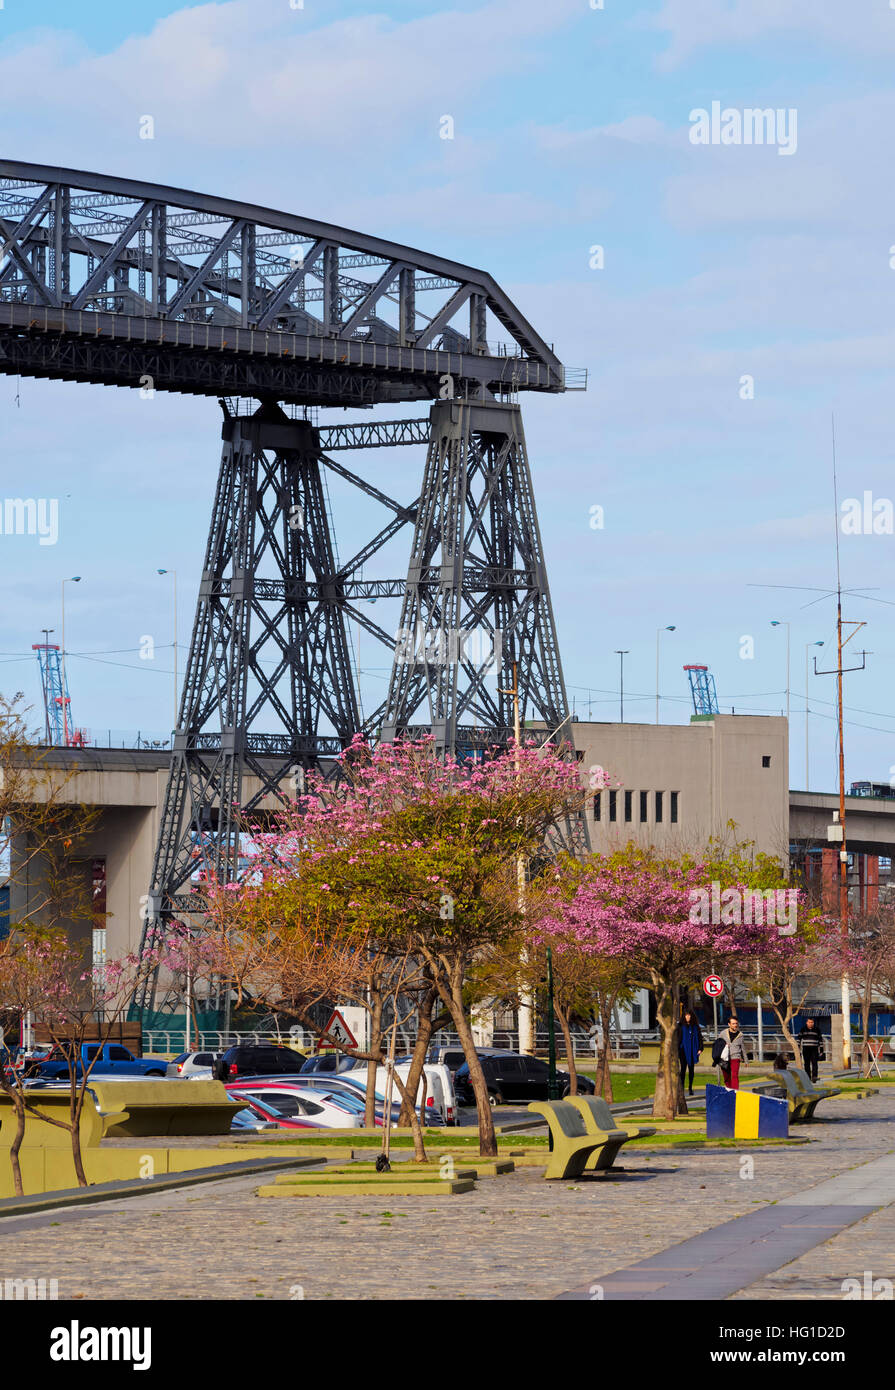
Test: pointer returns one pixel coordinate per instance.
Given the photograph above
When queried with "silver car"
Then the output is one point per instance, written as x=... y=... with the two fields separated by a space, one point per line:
x=193 y=1064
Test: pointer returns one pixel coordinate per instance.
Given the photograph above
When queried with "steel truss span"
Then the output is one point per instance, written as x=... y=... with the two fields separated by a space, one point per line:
x=117 y=282
x=112 y=280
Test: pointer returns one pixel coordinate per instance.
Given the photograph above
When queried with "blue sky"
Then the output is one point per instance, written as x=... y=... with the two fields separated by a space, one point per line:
x=571 y=129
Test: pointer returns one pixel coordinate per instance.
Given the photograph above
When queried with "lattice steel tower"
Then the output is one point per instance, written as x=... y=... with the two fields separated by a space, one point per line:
x=125 y=283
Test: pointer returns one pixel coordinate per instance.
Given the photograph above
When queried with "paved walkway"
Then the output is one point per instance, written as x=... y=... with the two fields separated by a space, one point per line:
x=515 y=1237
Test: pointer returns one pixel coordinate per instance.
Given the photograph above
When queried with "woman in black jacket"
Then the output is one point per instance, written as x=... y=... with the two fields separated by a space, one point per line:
x=689 y=1046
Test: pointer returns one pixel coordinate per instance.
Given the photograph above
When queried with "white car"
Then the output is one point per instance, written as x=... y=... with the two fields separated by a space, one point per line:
x=439 y=1086
x=295 y=1105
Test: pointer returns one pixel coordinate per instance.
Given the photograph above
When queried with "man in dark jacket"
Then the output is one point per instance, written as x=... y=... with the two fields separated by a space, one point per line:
x=812 y=1047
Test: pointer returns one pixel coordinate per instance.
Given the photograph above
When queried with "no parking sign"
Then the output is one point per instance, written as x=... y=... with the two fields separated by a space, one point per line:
x=713 y=985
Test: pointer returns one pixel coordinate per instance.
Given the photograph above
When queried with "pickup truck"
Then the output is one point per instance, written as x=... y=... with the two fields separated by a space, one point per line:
x=111 y=1059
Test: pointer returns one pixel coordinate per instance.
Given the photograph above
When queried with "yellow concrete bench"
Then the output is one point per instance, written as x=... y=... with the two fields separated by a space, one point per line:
x=137 y=1108
x=599 y=1120
x=573 y=1146
x=122 y=1109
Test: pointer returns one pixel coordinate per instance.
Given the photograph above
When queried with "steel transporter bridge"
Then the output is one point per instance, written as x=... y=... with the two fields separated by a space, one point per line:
x=123 y=283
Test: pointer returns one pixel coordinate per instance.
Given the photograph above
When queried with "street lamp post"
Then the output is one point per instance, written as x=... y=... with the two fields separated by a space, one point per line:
x=173 y=574
x=621 y=684
x=775 y=622
x=808 y=646
x=75 y=579
x=670 y=628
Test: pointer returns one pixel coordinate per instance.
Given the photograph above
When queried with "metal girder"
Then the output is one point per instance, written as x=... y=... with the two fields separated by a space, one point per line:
x=259 y=270
x=374 y=434
x=477 y=601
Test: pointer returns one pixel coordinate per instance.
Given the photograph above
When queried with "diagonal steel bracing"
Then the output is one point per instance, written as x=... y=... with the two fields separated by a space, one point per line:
x=269 y=687
x=477 y=599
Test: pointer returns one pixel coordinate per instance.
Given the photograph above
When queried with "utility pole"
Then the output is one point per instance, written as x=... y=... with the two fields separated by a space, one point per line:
x=841 y=836
x=526 y=1029
x=621 y=684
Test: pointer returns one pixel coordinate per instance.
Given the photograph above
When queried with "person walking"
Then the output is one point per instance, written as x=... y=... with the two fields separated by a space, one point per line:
x=735 y=1048
x=812 y=1046
x=689 y=1046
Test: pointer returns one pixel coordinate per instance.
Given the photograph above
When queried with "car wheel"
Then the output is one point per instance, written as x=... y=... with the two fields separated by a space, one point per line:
x=494 y=1099
x=155 y=1073
x=566 y=1093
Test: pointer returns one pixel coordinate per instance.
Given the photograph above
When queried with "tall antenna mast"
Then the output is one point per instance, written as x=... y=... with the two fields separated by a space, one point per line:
x=843 y=846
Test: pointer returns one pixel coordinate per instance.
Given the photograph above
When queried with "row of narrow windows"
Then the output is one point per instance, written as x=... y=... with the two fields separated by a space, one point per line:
x=627 y=806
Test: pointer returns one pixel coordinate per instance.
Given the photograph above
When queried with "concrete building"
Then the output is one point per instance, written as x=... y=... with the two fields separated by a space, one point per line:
x=128 y=788
x=676 y=785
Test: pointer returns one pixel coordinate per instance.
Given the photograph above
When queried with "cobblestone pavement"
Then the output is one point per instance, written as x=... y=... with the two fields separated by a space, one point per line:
x=513 y=1237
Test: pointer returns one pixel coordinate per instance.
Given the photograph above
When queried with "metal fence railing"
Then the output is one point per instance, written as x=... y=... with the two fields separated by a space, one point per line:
x=173 y=1040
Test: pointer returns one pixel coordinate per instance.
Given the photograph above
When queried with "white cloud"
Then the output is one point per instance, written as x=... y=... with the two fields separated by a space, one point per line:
x=693 y=25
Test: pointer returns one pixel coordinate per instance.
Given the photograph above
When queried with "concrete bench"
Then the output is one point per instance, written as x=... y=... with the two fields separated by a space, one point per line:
x=137 y=1108
x=573 y=1145
x=599 y=1119
x=54 y=1103
x=124 y=1109
x=811 y=1088
x=802 y=1104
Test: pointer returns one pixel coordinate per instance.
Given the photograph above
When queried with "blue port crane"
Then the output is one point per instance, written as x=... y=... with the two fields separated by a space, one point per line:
x=57 y=702
x=702 y=688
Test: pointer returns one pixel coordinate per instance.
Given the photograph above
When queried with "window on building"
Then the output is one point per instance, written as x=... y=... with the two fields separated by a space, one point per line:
x=629 y=806
x=99 y=948
x=644 y=807
x=597 y=806
x=636 y=1014
x=766 y=760
x=659 y=807
x=613 y=805
x=673 y=808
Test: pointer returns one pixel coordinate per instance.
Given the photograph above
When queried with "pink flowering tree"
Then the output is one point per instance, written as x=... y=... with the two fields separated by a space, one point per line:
x=45 y=973
x=644 y=910
x=417 y=857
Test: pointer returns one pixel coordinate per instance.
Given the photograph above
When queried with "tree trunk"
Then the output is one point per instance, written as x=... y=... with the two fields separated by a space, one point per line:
x=865 y=1032
x=419 y=1147
x=448 y=980
x=669 y=1098
x=606 y=1003
x=784 y=1018
x=15 y=1146
x=417 y=1061
x=376 y=1050
x=451 y=993
x=563 y=1017
x=77 y=1105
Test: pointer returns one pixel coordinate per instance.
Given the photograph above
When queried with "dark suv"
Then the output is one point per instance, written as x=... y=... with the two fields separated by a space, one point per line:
x=258 y=1061
x=512 y=1077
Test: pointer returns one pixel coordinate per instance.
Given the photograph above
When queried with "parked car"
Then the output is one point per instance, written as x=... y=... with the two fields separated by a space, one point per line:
x=264 y=1060
x=330 y=1062
x=107 y=1059
x=513 y=1077
x=439 y=1095
x=439 y=1084
x=252 y=1121
x=293 y=1108
x=199 y=1064
x=347 y=1094
x=449 y=1056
